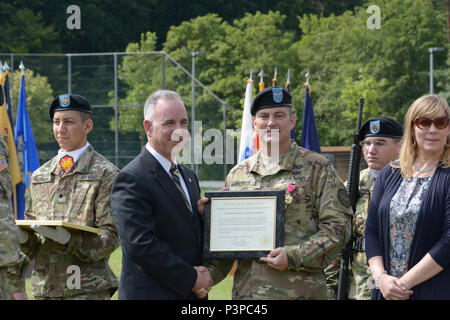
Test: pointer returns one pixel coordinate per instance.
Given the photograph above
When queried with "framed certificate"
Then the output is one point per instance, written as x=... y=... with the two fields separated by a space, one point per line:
x=243 y=224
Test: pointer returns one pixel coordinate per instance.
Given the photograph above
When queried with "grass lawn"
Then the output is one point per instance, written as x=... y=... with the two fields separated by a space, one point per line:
x=222 y=291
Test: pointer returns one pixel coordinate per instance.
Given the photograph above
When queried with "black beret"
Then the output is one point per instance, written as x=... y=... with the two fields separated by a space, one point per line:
x=381 y=127
x=69 y=102
x=271 y=98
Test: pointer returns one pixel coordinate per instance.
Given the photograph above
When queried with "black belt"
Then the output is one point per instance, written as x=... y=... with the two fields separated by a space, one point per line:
x=359 y=244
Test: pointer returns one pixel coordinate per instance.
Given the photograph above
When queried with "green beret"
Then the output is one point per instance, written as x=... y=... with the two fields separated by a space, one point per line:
x=271 y=98
x=66 y=102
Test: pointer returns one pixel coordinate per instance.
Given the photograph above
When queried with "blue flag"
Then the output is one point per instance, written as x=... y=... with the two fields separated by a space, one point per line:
x=310 y=139
x=26 y=149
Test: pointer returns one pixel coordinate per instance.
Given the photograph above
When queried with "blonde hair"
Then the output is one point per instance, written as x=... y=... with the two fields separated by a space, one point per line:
x=426 y=106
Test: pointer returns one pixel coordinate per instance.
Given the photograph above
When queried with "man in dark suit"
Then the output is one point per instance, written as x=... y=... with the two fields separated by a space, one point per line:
x=154 y=205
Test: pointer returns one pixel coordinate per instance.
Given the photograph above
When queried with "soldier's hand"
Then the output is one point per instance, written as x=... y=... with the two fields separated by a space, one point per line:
x=58 y=234
x=277 y=259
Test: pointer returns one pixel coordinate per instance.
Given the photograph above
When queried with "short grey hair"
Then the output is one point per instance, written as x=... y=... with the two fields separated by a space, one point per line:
x=152 y=100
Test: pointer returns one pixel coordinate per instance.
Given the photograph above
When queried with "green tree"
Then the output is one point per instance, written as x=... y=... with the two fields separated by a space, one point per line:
x=39 y=97
x=24 y=31
x=338 y=49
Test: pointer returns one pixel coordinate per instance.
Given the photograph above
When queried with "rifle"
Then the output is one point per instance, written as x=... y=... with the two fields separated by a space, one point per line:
x=353 y=193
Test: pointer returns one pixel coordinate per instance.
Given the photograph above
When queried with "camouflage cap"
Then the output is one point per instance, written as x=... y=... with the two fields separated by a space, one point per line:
x=271 y=97
x=69 y=102
x=381 y=127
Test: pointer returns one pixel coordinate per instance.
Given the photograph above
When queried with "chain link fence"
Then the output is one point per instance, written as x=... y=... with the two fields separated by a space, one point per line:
x=118 y=132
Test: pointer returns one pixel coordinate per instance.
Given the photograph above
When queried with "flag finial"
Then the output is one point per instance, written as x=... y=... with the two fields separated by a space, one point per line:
x=6 y=68
x=307 y=75
x=251 y=74
x=288 y=75
x=21 y=67
x=261 y=75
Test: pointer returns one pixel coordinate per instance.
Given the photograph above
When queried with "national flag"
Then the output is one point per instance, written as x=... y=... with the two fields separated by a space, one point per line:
x=246 y=147
x=26 y=148
x=6 y=134
x=310 y=138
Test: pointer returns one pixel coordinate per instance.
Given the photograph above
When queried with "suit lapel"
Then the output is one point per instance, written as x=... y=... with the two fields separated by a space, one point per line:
x=167 y=184
x=192 y=187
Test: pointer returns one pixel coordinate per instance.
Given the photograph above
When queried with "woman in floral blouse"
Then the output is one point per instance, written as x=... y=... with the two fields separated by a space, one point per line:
x=408 y=226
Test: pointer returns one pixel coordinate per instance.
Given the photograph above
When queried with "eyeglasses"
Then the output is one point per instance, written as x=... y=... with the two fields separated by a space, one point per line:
x=424 y=122
x=376 y=143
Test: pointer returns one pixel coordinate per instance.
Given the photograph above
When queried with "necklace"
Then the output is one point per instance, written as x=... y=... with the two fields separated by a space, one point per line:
x=426 y=170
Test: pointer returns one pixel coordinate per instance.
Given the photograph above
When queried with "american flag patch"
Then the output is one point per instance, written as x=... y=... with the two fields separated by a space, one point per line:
x=3 y=164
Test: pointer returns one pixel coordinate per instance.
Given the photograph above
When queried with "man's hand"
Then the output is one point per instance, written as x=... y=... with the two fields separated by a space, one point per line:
x=58 y=234
x=203 y=283
x=277 y=259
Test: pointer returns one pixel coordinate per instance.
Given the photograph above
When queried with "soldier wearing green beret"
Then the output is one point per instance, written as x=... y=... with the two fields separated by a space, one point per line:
x=74 y=186
x=381 y=140
x=317 y=209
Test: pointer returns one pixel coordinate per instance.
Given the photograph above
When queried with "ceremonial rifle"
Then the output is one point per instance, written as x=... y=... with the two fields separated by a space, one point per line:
x=353 y=193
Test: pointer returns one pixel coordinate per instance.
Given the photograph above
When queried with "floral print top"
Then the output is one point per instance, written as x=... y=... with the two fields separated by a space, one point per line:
x=403 y=215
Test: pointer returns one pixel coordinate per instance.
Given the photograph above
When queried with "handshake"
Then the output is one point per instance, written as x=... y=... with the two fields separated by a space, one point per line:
x=203 y=283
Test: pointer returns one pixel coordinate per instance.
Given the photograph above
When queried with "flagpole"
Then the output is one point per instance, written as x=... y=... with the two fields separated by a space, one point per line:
x=25 y=133
x=261 y=80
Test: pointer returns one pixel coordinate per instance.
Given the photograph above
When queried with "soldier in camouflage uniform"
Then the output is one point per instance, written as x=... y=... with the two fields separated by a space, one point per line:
x=75 y=186
x=317 y=209
x=12 y=262
x=381 y=141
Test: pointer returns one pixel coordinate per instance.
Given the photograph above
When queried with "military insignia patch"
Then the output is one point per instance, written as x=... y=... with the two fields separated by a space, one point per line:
x=374 y=126
x=66 y=163
x=343 y=198
x=277 y=94
x=64 y=100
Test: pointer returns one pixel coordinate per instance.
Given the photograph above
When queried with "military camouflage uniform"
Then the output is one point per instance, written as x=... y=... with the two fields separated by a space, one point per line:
x=361 y=282
x=82 y=196
x=11 y=260
x=360 y=277
x=317 y=226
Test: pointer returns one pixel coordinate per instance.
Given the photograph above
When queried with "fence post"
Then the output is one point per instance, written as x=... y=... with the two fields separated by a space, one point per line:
x=224 y=108
x=163 y=57
x=11 y=82
x=116 y=113
x=69 y=74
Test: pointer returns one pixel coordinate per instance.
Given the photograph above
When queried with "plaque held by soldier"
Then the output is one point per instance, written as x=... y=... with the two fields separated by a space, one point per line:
x=56 y=223
x=243 y=224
